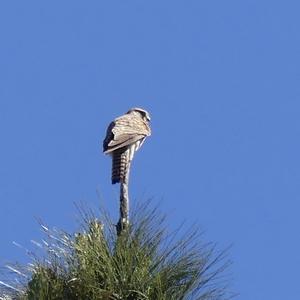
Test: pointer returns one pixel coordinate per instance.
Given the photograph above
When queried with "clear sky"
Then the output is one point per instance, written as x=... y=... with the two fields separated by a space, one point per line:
x=221 y=80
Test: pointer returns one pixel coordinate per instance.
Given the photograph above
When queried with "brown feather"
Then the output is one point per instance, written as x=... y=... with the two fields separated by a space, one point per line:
x=125 y=131
x=124 y=136
x=120 y=161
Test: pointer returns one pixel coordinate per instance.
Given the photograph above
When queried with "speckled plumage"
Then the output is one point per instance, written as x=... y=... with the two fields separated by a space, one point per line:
x=124 y=136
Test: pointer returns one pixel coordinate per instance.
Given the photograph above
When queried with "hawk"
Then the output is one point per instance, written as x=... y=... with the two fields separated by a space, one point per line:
x=124 y=136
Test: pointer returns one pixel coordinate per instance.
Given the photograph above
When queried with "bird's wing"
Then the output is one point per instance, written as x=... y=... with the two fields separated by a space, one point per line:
x=109 y=136
x=124 y=131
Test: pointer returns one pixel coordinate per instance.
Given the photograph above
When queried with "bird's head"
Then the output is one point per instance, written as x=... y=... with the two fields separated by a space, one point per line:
x=144 y=114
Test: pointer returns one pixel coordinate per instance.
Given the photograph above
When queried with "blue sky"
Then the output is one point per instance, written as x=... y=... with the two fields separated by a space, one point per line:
x=221 y=80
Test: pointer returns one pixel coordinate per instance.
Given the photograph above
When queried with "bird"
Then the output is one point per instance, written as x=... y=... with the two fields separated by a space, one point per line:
x=124 y=136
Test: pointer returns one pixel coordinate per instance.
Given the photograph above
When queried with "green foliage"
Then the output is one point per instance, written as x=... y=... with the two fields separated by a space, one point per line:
x=144 y=263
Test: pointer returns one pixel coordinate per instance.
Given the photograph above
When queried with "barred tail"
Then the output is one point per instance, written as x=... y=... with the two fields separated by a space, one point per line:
x=120 y=161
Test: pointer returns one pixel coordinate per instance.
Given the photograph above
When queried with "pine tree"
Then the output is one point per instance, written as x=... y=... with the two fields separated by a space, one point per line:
x=145 y=262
